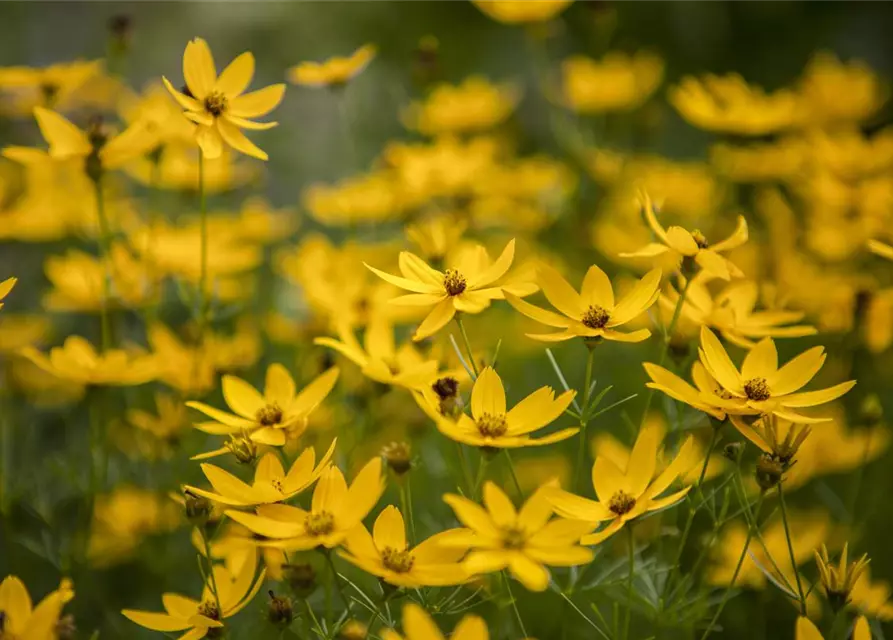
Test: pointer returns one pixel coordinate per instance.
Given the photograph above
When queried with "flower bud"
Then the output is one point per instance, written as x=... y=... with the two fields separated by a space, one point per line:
x=280 y=611
x=398 y=456
x=198 y=509
x=243 y=449
x=769 y=472
x=301 y=578
x=353 y=630
x=733 y=451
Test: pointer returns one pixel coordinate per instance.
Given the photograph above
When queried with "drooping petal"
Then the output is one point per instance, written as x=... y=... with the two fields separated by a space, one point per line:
x=436 y=320
x=714 y=264
x=234 y=137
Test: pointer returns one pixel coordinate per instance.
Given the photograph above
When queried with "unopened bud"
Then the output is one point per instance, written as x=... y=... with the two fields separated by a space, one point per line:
x=769 y=472
x=870 y=410
x=353 y=630
x=280 y=610
x=301 y=578
x=198 y=509
x=398 y=456
x=243 y=449
x=733 y=451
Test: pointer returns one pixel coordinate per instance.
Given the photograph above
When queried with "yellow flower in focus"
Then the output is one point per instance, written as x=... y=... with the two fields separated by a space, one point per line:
x=468 y=287
x=386 y=554
x=203 y=617
x=57 y=86
x=491 y=425
x=269 y=418
x=472 y=106
x=76 y=360
x=524 y=541
x=678 y=389
x=334 y=71
x=688 y=248
x=335 y=511
x=5 y=287
x=418 y=625
x=219 y=105
x=835 y=92
x=761 y=387
x=592 y=313
x=806 y=630
x=522 y=11
x=617 y=82
x=626 y=494
x=727 y=104
x=21 y=619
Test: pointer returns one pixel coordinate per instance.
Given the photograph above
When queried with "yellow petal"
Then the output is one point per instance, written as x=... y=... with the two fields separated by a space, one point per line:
x=714 y=264
x=330 y=491
x=682 y=241
x=761 y=361
x=496 y=270
x=570 y=505
x=559 y=293
x=501 y=509
x=473 y=627
x=267 y=526
x=597 y=289
x=198 y=68
x=436 y=320
x=861 y=631
x=608 y=479
x=643 y=459
x=488 y=395
x=414 y=268
x=234 y=137
x=528 y=572
x=641 y=297
x=237 y=76
x=279 y=387
x=65 y=139
x=406 y=283
x=540 y=315
x=365 y=490
x=738 y=237
x=418 y=624
x=472 y=515
x=389 y=529
x=242 y=397
x=797 y=372
x=187 y=102
x=600 y=536
x=820 y=396
x=806 y=630
x=156 y=621
x=256 y=103
x=208 y=138
x=717 y=361
x=314 y=393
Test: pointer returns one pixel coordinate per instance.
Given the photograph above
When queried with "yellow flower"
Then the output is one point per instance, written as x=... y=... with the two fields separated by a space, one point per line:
x=727 y=104
x=335 y=511
x=158 y=435
x=23 y=621
x=334 y=71
x=761 y=387
x=469 y=287
x=835 y=92
x=219 y=105
x=57 y=85
x=5 y=287
x=691 y=247
x=523 y=541
x=592 y=313
x=806 y=630
x=76 y=360
x=386 y=554
x=617 y=82
x=626 y=494
x=838 y=581
x=267 y=418
x=200 y=617
x=271 y=482
x=521 y=11
x=775 y=161
x=367 y=198
x=123 y=518
x=19 y=330
x=490 y=425
x=780 y=439
x=881 y=249
x=177 y=169
x=163 y=119
x=872 y=598
x=418 y=625
x=678 y=389
x=474 y=105
x=436 y=236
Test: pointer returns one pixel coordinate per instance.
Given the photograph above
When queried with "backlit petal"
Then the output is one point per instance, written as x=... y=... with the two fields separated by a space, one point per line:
x=559 y=293
x=488 y=395
x=237 y=76
x=234 y=137
x=256 y=103
x=198 y=68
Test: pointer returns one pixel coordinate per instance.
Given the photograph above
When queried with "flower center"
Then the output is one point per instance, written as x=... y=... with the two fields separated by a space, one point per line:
x=513 y=538
x=397 y=561
x=596 y=317
x=700 y=239
x=621 y=503
x=277 y=484
x=269 y=415
x=453 y=282
x=319 y=524
x=756 y=389
x=446 y=387
x=215 y=103
x=209 y=610
x=492 y=426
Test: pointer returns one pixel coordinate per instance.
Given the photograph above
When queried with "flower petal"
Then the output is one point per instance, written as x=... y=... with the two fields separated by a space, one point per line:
x=761 y=361
x=436 y=319
x=198 y=68
x=559 y=293
x=242 y=397
x=389 y=529
x=237 y=76
x=797 y=372
x=597 y=289
x=717 y=362
x=234 y=137
x=256 y=103
x=488 y=395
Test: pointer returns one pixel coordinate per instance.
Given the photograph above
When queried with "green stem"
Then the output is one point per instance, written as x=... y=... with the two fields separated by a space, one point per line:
x=207 y=555
x=713 y=438
x=338 y=586
x=203 y=251
x=482 y=472
x=508 y=588
x=517 y=484
x=471 y=360
x=629 y=580
x=584 y=423
x=406 y=505
x=466 y=472
x=312 y=615
x=787 y=535
x=105 y=253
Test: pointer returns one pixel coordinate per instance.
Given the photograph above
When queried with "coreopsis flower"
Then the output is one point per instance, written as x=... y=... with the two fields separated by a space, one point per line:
x=218 y=105
x=335 y=511
x=77 y=361
x=54 y=86
x=779 y=439
x=163 y=119
x=617 y=82
x=669 y=383
x=123 y=518
x=418 y=625
x=271 y=482
x=5 y=287
x=776 y=161
x=761 y=387
x=524 y=541
x=368 y=198
x=626 y=494
x=727 y=104
x=492 y=425
x=522 y=11
x=806 y=630
x=203 y=618
x=474 y=105
x=591 y=313
x=469 y=287
x=838 y=581
x=386 y=554
x=335 y=71
x=267 y=418
x=22 y=620
x=690 y=248
x=835 y=92
x=157 y=434
x=19 y=330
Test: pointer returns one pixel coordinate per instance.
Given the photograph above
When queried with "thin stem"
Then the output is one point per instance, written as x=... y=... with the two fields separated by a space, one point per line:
x=482 y=472
x=105 y=252
x=203 y=250
x=207 y=555
x=629 y=580
x=584 y=423
x=787 y=535
x=406 y=505
x=328 y=554
x=312 y=615
x=466 y=472
x=583 y=615
x=471 y=360
x=508 y=588
x=517 y=484
x=713 y=438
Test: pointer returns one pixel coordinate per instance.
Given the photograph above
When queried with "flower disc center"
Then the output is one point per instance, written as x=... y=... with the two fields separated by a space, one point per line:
x=491 y=425
x=621 y=503
x=454 y=282
x=397 y=561
x=756 y=389
x=596 y=317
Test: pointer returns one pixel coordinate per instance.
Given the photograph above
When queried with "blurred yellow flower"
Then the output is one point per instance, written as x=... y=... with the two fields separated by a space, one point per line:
x=806 y=630
x=617 y=82
x=76 y=360
x=369 y=198
x=835 y=92
x=761 y=162
x=474 y=105
x=872 y=598
x=57 y=86
x=418 y=625
x=334 y=71
x=5 y=287
x=218 y=105
x=435 y=236
x=162 y=119
x=19 y=330
x=177 y=169
x=158 y=435
x=522 y=11
x=21 y=619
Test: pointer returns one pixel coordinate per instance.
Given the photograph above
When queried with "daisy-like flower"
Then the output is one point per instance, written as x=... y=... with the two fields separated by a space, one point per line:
x=592 y=313
x=779 y=439
x=522 y=11
x=76 y=360
x=201 y=618
x=469 y=287
x=806 y=630
x=669 y=383
x=524 y=541
x=386 y=554
x=691 y=248
x=491 y=425
x=5 y=287
x=626 y=494
x=20 y=619
x=271 y=417
x=335 y=511
x=418 y=625
x=219 y=105
x=761 y=387
x=838 y=581
x=271 y=483
x=335 y=71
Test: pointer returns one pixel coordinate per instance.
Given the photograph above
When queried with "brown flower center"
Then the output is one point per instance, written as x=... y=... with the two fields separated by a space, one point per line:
x=596 y=317
x=215 y=103
x=513 y=538
x=269 y=415
x=446 y=387
x=492 y=426
x=621 y=503
x=453 y=282
x=319 y=524
x=756 y=389
x=397 y=561
x=700 y=239
x=209 y=610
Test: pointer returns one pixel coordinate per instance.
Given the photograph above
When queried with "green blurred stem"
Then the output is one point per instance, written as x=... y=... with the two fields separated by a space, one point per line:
x=207 y=555
x=105 y=251
x=584 y=423
x=406 y=505
x=336 y=579
x=203 y=250
x=629 y=580
x=787 y=535
x=517 y=484
x=508 y=588
x=482 y=472
x=471 y=361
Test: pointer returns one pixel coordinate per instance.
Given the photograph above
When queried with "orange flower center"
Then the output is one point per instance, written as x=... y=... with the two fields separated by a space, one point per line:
x=700 y=239
x=513 y=538
x=492 y=426
x=454 y=282
x=215 y=103
x=397 y=561
x=756 y=389
x=621 y=503
x=319 y=524
x=596 y=317
x=269 y=415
